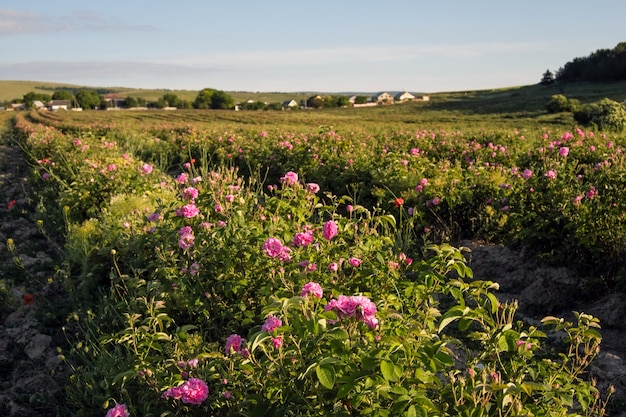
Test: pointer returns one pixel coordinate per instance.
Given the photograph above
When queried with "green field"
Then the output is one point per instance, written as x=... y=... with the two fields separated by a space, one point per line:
x=524 y=100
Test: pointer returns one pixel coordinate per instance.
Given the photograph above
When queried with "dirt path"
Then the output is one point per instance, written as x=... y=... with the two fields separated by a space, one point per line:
x=31 y=373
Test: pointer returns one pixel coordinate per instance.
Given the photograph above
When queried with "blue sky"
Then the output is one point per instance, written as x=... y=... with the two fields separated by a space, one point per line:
x=290 y=46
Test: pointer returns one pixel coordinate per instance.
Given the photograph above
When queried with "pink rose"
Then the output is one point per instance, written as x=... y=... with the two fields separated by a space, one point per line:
x=329 y=230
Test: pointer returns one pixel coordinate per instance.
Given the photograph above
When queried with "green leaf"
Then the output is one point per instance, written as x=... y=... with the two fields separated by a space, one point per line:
x=389 y=370
x=326 y=375
x=451 y=315
x=345 y=389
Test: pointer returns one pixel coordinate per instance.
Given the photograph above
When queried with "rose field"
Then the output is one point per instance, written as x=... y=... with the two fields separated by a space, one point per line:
x=310 y=263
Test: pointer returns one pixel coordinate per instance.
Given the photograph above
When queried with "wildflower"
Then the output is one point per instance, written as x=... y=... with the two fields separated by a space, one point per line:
x=111 y=167
x=11 y=204
x=551 y=174
x=146 y=168
x=303 y=239
x=349 y=208
x=527 y=174
x=564 y=151
x=229 y=198
x=227 y=395
x=271 y=324
x=333 y=266
x=45 y=176
x=290 y=178
x=576 y=200
x=312 y=288
x=118 y=411
x=233 y=344
x=398 y=202
x=329 y=230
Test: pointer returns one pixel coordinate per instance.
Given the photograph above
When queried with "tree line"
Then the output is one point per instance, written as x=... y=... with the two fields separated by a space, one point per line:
x=603 y=65
x=91 y=99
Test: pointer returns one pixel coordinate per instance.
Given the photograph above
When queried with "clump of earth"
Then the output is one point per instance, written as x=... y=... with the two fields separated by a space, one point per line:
x=32 y=375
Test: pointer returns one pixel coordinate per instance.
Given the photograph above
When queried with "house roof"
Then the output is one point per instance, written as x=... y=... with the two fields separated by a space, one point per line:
x=59 y=103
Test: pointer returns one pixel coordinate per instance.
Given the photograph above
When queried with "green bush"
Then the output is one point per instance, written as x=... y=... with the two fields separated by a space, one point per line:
x=605 y=115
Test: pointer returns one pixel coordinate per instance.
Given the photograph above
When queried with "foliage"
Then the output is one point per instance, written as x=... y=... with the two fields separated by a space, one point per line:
x=547 y=78
x=88 y=99
x=29 y=98
x=603 y=65
x=209 y=98
x=559 y=103
x=62 y=95
x=604 y=115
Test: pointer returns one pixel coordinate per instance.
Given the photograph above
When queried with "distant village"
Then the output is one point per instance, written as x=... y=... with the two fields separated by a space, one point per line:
x=171 y=102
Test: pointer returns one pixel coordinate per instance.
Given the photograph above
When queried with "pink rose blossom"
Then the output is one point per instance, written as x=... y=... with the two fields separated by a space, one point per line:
x=312 y=288
x=233 y=344
x=186 y=241
x=188 y=211
x=303 y=239
x=290 y=178
x=271 y=324
x=354 y=262
x=190 y=193
x=272 y=247
x=146 y=168
x=551 y=174
x=329 y=230
x=118 y=411
x=277 y=342
x=182 y=178
x=193 y=391
x=563 y=151
x=312 y=187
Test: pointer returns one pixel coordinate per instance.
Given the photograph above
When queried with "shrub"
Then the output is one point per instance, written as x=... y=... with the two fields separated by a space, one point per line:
x=604 y=115
x=559 y=103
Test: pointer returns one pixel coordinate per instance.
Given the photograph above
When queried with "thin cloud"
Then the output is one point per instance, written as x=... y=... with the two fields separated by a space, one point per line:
x=391 y=54
x=104 y=70
x=20 y=22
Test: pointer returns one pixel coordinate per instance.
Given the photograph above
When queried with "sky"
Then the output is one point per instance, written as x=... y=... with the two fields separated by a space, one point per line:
x=296 y=46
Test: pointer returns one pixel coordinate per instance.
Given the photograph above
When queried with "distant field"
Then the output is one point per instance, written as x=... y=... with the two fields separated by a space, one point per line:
x=522 y=101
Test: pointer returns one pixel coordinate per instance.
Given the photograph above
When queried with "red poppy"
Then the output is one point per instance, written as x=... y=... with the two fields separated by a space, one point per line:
x=11 y=204
x=398 y=202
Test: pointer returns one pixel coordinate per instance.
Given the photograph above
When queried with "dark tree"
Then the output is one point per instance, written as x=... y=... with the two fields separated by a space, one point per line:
x=88 y=99
x=63 y=95
x=547 y=78
x=171 y=99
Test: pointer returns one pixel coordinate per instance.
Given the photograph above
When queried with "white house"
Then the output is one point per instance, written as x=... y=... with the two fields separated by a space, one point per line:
x=59 y=105
x=383 y=98
x=288 y=104
x=404 y=96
